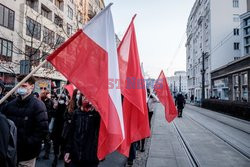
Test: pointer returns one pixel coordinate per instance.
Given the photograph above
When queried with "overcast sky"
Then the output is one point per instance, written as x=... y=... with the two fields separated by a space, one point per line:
x=160 y=28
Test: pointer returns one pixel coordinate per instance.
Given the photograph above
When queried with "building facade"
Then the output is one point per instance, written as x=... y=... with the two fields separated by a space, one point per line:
x=31 y=29
x=213 y=40
x=232 y=81
x=178 y=82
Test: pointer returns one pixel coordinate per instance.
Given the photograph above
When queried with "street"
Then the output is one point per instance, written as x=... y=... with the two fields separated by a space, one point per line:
x=200 y=138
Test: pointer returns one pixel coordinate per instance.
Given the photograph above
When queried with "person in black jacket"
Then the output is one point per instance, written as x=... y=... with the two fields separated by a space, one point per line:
x=180 y=103
x=81 y=150
x=30 y=117
x=46 y=99
x=58 y=144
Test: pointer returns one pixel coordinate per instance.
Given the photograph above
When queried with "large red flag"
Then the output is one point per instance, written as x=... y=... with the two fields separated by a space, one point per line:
x=87 y=60
x=162 y=90
x=133 y=89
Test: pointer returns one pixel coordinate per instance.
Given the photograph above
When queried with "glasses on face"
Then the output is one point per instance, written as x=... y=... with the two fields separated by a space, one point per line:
x=43 y=88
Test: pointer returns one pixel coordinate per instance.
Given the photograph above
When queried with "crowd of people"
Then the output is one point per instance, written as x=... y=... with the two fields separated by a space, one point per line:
x=68 y=125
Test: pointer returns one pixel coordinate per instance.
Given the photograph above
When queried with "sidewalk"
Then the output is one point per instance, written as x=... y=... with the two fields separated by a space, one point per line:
x=165 y=149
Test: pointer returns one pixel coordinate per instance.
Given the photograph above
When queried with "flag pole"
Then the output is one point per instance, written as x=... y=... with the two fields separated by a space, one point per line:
x=23 y=81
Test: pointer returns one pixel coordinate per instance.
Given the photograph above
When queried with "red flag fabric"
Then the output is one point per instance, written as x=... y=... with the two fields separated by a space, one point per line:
x=132 y=86
x=163 y=92
x=70 y=89
x=87 y=60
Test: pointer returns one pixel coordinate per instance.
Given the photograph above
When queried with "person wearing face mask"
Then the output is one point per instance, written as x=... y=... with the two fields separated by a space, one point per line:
x=30 y=117
x=58 y=145
x=73 y=105
x=81 y=150
x=46 y=99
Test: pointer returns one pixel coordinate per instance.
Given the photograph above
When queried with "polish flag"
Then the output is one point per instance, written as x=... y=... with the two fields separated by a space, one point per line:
x=163 y=93
x=87 y=60
x=132 y=83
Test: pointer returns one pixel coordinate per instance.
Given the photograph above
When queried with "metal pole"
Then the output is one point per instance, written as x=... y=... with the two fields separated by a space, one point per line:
x=203 y=77
x=23 y=81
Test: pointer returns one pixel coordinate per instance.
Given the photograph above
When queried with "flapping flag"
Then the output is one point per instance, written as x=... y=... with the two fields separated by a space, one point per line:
x=163 y=92
x=70 y=89
x=87 y=60
x=133 y=89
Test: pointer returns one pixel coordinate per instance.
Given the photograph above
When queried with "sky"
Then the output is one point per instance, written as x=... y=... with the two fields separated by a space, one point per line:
x=161 y=31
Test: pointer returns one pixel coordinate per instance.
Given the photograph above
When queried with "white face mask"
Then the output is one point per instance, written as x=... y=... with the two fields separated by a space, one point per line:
x=22 y=91
x=61 y=102
x=77 y=97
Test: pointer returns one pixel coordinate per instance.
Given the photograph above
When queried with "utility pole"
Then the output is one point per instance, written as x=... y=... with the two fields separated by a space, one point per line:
x=203 y=71
x=180 y=83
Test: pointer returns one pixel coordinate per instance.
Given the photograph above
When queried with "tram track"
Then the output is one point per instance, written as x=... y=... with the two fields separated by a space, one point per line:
x=223 y=122
x=190 y=154
x=228 y=142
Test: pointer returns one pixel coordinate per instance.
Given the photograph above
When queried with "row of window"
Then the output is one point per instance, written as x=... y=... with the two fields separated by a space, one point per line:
x=33 y=29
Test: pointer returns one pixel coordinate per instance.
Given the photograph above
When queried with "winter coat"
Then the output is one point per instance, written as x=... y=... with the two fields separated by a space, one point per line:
x=4 y=139
x=31 y=120
x=180 y=101
x=50 y=110
x=84 y=134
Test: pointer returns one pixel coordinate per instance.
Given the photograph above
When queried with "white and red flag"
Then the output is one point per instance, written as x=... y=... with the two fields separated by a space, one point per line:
x=88 y=59
x=163 y=93
x=132 y=85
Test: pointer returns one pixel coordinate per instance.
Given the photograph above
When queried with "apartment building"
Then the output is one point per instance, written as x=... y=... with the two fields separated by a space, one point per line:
x=178 y=82
x=31 y=29
x=213 y=38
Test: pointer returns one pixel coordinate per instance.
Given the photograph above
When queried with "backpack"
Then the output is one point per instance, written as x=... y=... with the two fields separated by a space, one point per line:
x=8 y=142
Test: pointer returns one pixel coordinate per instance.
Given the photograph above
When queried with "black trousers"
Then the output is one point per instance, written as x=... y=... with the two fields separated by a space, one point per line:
x=84 y=164
x=132 y=152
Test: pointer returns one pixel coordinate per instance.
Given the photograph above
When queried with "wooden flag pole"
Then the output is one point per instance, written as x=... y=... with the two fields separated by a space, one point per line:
x=23 y=81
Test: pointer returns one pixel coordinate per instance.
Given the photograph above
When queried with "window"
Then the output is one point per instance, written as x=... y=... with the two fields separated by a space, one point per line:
x=70 y=13
x=48 y=36
x=58 y=21
x=47 y=64
x=7 y=17
x=33 y=4
x=244 y=79
x=59 y=40
x=59 y=4
x=244 y=87
x=80 y=17
x=236 y=31
x=236 y=18
x=6 y=49
x=236 y=80
x=236 y=46
x=46 y=12
x=33 y=54
x=33 y=28
x=235 y=3
x=69 y=29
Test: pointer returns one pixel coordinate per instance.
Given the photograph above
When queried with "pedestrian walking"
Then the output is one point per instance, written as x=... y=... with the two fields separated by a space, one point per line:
x=180 y=103
x=73 y=105
x=81 y=150
x=46 y=99
x=30 y=117
x=58 y=145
